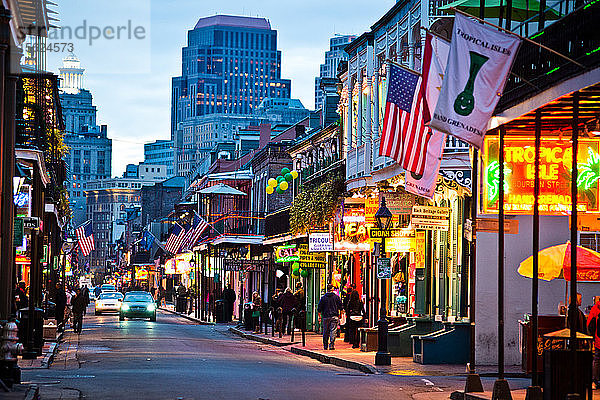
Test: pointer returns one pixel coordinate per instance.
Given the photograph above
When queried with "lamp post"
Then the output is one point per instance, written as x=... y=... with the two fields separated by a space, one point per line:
x=383 y=216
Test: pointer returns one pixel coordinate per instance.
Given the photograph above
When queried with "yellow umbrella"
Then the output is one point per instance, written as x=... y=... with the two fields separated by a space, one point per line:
x=555 y=262
x=550 y=263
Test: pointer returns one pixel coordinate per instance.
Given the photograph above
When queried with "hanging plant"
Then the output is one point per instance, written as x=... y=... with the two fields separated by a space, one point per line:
x=315 y=206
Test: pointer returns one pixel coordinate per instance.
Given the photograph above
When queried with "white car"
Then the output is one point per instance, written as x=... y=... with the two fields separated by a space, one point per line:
x=108 y=302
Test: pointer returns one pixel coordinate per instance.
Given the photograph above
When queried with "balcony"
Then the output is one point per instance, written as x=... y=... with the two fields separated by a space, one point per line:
x=237 y=227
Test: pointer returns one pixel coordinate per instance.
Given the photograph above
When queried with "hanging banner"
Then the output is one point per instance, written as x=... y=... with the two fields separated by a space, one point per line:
x=479 y=62
x=435 y=59
x=555 y=176
x=371 y=207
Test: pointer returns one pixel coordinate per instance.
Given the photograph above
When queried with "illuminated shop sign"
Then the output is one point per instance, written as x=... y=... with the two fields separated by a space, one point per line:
x=287 y=253
x=555 y=175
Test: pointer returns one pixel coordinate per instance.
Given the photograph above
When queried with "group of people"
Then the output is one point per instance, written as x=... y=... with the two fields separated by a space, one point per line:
x=75 y=302
x=284 y=303
x=330 y=309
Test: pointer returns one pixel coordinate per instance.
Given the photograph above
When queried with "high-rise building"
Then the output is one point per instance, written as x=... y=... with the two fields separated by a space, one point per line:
x=333 y=56
x=229 y=66
x=160 y=152
x=90 y=150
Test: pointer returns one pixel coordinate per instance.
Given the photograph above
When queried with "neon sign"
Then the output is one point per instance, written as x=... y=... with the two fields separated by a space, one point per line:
x=555 y=176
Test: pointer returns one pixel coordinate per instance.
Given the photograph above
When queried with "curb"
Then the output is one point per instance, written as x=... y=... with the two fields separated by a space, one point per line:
x=340 y=362
x=49 y=357
x=325 y=359
x=257 y=338
x=196 y=320
x=32 y=393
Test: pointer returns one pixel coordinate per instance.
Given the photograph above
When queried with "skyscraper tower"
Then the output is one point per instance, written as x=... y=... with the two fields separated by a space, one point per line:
x=90 y=149
x=71 y=75
x=328 y=69
x=229 y=66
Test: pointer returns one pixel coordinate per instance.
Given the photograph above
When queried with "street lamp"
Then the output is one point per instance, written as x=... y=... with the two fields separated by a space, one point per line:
x=383 y=216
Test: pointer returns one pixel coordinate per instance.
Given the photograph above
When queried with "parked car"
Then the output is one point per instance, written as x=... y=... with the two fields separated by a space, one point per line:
x=108 y=302
x=138 y=305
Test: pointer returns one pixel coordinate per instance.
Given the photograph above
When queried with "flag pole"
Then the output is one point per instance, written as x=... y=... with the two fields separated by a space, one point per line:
x=519 y=36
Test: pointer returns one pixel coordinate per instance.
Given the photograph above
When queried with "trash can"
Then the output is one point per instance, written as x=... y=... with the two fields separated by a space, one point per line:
x=181 y=304
x=220 y=310
x=248 y=320
x=560 y=362
x=38 y=328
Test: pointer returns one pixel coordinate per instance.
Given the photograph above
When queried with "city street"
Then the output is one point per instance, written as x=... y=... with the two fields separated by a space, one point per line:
x=173 y=358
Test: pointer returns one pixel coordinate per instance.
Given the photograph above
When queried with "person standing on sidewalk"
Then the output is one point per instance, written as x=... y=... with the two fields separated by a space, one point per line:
x=288 y=303
x=256 y=308
x=329 y=309
x=593 y=327
x=61 y=303
x=79 y=305
x=229 y=297
x=354 y=318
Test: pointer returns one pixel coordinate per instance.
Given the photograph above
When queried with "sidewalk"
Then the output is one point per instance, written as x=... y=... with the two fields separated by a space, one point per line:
x=345 y=356
x=189 y=317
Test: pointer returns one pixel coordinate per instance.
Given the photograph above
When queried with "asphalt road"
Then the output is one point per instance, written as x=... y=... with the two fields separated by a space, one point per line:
x=176 y=359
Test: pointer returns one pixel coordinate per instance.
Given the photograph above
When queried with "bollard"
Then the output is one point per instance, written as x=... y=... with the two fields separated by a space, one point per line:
x=272 y=322
x=292 y=322
x=303 y=327
x=280 y=321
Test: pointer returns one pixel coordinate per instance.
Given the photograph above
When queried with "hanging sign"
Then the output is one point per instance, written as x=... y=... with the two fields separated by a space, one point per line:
x=18 y=232
x=384 y=268
x=391 y=233
x=400 y=244
x=430 y=218
x=287 y=253
x=555 y=176
x=371 y=207
x=420 y=250
x=320 y=241
x=309 y=259
x=398 y=203
x=241 y=264
x=170 y=266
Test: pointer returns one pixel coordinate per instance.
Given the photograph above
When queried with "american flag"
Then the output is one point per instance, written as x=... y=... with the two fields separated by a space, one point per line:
x=175 y=240
x=85 y=236
x=197 y=227
x=404 y=137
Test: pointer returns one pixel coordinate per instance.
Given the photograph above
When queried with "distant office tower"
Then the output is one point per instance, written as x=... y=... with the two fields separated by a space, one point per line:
x=160 y=152
x=229 y=66
x=333 y=57
x=90 y=150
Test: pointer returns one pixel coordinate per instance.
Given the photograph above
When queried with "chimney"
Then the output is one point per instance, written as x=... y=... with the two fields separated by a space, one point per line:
x=331 y=98
x=265 y=135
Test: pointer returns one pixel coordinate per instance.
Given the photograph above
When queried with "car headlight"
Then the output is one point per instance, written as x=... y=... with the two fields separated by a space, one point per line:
x=124 y=307
x=151 y=307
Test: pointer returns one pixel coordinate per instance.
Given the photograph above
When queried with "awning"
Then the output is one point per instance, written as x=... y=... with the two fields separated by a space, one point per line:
x=223 y=189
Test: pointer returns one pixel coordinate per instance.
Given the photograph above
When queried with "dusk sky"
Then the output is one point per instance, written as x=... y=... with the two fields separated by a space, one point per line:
x=130 y=77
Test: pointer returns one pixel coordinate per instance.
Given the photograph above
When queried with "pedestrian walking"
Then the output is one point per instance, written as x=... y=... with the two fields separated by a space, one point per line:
x=355 y=318
x=78 y=306
x=288 y=303
x=593 y=327
x=86 y=296
x=329 y=309
x=229 y=298
x=256 y=307
x=277 y=312
x=61 y=303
